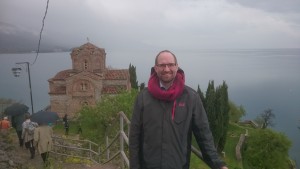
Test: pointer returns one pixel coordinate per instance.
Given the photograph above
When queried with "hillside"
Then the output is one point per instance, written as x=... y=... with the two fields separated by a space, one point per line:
x=17 y=40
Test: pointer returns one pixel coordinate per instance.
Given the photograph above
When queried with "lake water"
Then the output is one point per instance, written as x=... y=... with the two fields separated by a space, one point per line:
x=258 y=79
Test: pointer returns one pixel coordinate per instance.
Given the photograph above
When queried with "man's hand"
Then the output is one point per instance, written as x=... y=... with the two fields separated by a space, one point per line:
x=224 y=167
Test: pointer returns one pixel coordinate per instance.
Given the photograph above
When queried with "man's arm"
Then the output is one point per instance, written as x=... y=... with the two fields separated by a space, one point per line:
x=24 y=126
x=135 y=135
x=204 y=136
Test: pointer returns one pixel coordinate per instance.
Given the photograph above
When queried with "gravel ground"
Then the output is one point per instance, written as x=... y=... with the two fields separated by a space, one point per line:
x=12 y=156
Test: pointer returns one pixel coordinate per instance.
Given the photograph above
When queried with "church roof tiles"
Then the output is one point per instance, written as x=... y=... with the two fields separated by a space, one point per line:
x=119 y=74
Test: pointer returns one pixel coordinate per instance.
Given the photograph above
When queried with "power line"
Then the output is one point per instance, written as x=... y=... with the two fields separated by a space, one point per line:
x=38 y=50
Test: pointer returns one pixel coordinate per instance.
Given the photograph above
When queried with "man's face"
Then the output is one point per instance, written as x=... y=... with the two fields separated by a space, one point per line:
x=166 y=68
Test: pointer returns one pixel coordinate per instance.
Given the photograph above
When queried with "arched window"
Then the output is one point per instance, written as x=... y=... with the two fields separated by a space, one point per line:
x=85 y=65
x=85 y=103
x=84 y=86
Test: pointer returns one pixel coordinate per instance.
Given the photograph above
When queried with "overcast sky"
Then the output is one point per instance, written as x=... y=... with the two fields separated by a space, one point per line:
x=160 y=24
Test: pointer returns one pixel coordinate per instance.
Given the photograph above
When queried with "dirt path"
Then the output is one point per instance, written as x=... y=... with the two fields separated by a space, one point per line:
x=56 y=161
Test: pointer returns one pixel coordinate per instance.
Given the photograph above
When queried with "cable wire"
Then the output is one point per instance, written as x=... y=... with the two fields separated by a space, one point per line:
x=38 y=50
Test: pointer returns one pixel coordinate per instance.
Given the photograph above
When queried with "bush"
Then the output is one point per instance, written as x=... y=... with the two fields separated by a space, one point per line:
x=267 y=149
x=96 y=120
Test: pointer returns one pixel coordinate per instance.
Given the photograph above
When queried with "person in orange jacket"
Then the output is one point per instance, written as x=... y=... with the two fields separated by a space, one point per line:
x=4 y=124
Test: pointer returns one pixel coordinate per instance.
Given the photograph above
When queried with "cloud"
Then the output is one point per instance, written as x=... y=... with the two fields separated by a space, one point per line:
x=186 y=23
x=175 y=24
x=288 y=6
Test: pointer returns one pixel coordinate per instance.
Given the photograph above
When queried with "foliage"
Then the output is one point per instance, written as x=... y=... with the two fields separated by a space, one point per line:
x=217 y=108
x=5 y=103
x=259 y=121
x=200 y=93
x=234 y=131
x=236 y=112
x=99 y=118
x=265 y=119
x=133 y=78
x=222 y=107
x=210 y=102
x=267 y=149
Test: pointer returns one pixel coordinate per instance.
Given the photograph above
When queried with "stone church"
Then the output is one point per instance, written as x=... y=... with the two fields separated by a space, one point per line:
x=84 y=84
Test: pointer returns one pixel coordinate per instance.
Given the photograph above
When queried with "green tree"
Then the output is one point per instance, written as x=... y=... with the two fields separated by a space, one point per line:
x=210 y=102
x=5 y=103
x=267 y=149
x=222 y=116
x=217 y=108
x=201 y=95
x=96 y=120
x=133 y=78
x=236 y=112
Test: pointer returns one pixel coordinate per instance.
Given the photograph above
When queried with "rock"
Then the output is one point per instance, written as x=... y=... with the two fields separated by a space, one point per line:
x=11 y=163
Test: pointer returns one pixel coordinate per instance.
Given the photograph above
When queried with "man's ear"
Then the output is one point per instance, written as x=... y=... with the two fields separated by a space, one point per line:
x=154 y=69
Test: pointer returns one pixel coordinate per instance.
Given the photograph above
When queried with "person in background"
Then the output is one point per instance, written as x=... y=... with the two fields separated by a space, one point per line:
x=43 y=141
x=79 y=131
x=66 y=124
x=165 y=116
x=4 y=125
x=27 y=135
x=17 y=122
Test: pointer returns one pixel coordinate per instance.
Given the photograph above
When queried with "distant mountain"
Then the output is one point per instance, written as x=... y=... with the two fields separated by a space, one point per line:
x=17 y=40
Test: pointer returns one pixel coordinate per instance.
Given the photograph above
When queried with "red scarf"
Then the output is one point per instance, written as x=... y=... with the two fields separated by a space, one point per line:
x=172 y=93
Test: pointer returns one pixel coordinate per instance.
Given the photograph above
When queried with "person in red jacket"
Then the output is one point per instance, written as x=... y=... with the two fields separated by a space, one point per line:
x=4 y=125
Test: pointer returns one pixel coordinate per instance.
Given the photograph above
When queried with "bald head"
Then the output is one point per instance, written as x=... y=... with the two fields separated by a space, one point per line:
x=165 y=51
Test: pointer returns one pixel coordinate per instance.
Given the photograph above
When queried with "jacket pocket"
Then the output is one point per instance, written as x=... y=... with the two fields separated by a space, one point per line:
x=180 y=115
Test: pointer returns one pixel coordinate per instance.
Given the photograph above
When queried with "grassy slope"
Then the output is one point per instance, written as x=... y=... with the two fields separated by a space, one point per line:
x=233 y=135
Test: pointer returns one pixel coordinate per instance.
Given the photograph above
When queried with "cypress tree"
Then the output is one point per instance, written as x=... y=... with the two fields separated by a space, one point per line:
x=223 y=117
x=133 y=79
x=201 y=96
x=217 y=109
x=218 y=117
x=210 y=102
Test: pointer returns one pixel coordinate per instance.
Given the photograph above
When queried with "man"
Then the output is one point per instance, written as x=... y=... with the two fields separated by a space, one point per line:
x=66 y=124
x=28 y=128
x=43 y=139
x=165 y=116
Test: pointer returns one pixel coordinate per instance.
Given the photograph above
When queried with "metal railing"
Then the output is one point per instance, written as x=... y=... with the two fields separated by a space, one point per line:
x=123 y=138
x=83 y=149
